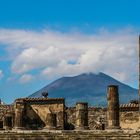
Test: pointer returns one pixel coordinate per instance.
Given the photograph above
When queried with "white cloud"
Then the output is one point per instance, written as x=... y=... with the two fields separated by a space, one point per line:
x=33 y=58
x=50 y=52
x=26 y=78
x=1 y=74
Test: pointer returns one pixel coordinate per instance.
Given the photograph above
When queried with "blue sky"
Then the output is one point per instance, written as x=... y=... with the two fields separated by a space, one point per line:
x=42 y=13
x=42 y=40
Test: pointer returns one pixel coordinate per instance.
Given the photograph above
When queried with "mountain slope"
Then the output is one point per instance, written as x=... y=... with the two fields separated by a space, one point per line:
x=87 y=87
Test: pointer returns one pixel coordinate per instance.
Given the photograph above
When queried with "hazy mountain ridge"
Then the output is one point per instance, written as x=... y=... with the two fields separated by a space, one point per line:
x=91 y=88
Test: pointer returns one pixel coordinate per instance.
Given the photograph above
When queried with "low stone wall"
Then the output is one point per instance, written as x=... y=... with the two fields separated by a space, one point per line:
x=70 y=135
x=128 y=119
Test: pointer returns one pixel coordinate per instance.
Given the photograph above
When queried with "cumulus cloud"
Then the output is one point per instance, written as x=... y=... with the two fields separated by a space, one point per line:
x=57 y=54
x=25 y=78
x=1 y=74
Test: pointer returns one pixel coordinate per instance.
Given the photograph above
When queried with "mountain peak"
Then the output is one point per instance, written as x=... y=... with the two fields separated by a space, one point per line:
x=88 y=87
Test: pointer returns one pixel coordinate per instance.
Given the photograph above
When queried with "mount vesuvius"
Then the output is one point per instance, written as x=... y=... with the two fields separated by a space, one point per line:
x=91 y=88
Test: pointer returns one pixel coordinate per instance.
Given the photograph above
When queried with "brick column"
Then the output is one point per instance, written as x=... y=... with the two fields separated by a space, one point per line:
x=19 y=114
x=50 y=121
x=113 y=108
x=82 y=115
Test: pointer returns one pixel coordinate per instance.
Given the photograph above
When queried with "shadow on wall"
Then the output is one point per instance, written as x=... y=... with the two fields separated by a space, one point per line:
x=32 y=119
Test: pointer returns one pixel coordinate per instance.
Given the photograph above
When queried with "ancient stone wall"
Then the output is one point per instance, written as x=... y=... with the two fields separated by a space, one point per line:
x=70 y=135
x=35 y=113
x=129 y=119
x=129 y=116
x=40 y=111
x=6 y=112
x=96 y=116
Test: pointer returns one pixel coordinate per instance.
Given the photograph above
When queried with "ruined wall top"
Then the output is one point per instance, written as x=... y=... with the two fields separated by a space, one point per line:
x=26 y=100
x=82 y=103
x=123 y=107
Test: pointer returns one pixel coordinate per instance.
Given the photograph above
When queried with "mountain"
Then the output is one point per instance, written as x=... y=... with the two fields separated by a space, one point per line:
x=91 y=88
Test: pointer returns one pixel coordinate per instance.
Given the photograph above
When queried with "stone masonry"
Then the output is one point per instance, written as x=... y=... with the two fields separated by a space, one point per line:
x=81 y=115
x=113 y=107
x=51 y=113
x=49 y=119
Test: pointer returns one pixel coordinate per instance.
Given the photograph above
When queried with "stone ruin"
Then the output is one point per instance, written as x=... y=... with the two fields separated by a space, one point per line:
x=52 y=114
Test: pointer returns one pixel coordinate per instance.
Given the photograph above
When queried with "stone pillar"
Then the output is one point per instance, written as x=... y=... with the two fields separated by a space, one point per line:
x=19 y=114
x=113 y=108
x=50 y=121
x=82 y=115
